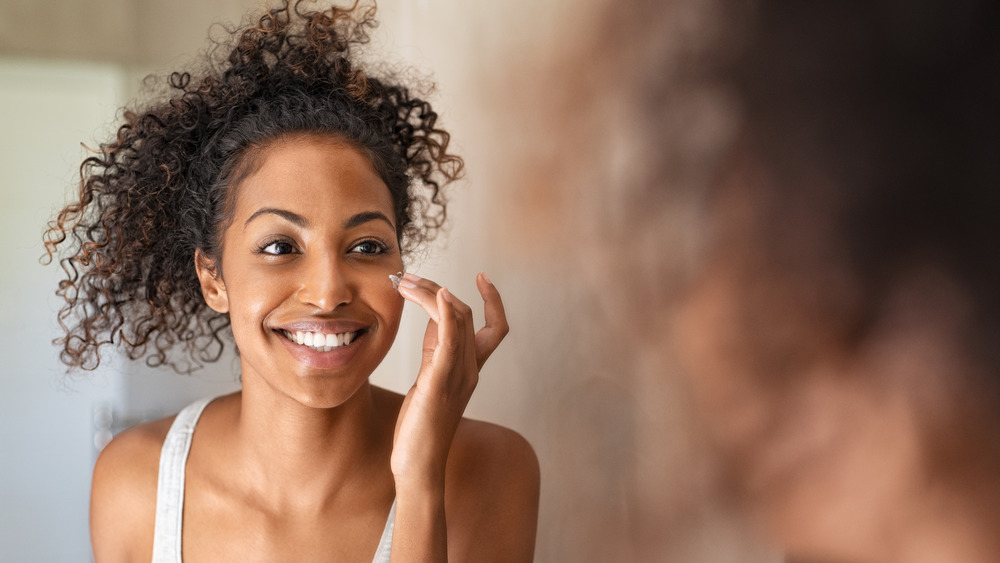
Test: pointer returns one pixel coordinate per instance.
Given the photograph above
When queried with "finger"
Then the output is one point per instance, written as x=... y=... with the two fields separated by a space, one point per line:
x=430 y=342
x=446 y=351
x=496 y=328
x=463 y=318
x=424 y=293
x=422 y=283
x=465 y=378
x=421 y=291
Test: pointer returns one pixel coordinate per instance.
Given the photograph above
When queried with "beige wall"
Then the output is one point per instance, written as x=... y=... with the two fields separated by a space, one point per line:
x=127 y=32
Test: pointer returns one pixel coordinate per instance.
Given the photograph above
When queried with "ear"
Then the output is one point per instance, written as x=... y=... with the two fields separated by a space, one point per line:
x=213 y=289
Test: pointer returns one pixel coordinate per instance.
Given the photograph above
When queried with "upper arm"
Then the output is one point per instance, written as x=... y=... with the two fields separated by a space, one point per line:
x=123 y=495
x=492 y=495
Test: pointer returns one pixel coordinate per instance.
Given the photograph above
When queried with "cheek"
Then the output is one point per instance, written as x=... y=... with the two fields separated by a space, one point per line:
x=248 y=306
x=386 y=301
x=376 y=290
x=252 y=295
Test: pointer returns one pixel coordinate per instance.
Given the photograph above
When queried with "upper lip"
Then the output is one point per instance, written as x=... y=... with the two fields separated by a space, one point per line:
x=322 y=326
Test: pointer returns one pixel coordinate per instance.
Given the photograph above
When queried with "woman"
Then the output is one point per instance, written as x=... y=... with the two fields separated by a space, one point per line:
x=272 y=195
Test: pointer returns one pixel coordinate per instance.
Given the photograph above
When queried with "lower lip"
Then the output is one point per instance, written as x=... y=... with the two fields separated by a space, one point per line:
x=336 y=358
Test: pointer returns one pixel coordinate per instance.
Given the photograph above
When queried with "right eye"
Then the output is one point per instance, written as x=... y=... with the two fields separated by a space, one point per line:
x=276 y=248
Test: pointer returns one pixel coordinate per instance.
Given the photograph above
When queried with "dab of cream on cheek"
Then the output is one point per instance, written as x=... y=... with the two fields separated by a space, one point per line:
x=395 y=279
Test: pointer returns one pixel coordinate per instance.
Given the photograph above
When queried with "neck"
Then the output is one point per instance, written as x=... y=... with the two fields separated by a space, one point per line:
x=296 y=455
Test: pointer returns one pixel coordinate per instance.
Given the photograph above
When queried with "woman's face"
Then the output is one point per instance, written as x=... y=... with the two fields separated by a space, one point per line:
x=305 y=271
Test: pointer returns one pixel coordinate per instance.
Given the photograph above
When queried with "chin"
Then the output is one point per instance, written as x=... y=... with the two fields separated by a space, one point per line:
x=327 y=396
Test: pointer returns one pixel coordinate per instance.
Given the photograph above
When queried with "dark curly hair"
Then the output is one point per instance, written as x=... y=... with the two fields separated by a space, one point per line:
x=160 y=189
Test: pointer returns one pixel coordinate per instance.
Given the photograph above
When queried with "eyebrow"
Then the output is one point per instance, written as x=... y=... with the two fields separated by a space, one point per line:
x=366 y=216
x=289 y=216
x=300 y=221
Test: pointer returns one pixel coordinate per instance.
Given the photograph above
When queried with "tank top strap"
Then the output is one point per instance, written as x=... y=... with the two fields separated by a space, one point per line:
x=170 y=484
x=384 y=551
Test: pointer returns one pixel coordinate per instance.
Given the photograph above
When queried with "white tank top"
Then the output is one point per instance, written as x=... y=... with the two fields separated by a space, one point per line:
x=170 y=491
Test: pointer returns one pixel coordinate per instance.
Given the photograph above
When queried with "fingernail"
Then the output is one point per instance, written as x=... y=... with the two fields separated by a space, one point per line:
x=411 y=277
x=446 y=294
x=487 y=278
x=407 y=283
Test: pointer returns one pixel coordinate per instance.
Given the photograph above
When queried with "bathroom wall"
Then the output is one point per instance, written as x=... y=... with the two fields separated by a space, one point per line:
x=46 y=429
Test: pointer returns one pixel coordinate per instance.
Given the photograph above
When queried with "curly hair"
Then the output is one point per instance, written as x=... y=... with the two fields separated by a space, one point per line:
x=160 y=190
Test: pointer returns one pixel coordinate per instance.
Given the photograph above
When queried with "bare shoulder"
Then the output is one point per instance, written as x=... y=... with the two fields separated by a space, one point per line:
x=492 y=494
x=123 y=493
x=485 y=451
x=483 y=455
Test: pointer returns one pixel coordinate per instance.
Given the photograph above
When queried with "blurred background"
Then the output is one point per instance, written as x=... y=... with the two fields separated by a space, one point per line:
x=624 y=473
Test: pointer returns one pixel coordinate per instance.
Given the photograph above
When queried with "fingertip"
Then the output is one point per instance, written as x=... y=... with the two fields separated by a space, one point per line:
x=395 y=279
x=485 y=285
x=446 y=311
x=404 y=290
x=443 y=292
x=414 y=296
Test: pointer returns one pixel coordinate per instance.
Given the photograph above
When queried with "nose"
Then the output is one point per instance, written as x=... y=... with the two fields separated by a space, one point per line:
x=326 y=284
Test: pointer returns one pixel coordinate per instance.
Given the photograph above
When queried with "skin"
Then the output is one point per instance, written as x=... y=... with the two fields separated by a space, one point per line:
x=837 y=461
x=303 y=464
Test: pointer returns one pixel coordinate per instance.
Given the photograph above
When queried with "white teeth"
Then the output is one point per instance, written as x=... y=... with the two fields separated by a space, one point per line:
x=319 y=341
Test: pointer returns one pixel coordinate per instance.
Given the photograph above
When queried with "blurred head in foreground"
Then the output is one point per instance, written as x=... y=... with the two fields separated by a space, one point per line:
x=842 y=326
x=842 y=330
x=806 y=195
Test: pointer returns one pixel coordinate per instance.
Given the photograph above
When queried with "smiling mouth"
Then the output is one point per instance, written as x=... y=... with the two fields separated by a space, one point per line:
x=319 y=341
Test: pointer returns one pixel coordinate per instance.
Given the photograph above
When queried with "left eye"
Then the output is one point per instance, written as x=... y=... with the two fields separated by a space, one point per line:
x=369 y=247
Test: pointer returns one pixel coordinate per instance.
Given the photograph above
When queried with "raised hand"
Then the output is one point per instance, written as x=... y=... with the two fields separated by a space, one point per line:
x=453 y=353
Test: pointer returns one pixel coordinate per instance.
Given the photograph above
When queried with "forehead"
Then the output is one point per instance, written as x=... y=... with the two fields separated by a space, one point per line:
x=313 y=175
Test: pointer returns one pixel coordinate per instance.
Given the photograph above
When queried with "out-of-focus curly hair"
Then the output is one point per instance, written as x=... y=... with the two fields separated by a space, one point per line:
x=160 y=190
